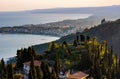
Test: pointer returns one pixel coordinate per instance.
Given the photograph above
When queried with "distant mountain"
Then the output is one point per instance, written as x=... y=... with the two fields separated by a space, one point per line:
x=109 y=31
x=106 y=10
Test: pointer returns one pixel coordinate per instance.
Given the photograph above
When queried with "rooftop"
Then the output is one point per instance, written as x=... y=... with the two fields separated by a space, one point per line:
x=78 y=75
x=36 y=63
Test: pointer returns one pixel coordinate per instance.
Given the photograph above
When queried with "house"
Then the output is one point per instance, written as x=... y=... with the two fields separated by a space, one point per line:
x=26 y=67
x=77 y=75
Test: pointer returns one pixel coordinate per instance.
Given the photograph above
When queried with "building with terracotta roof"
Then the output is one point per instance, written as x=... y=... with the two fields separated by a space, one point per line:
x=26 y=67
x=77 y=75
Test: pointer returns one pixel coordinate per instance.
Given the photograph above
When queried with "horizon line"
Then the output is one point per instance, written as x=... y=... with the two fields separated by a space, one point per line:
x=58 y=8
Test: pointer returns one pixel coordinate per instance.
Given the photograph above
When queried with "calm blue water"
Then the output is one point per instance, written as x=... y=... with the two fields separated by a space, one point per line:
x=9 y=43
x=16 y=19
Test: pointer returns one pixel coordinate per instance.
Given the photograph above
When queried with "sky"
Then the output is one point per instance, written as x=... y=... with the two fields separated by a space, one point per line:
x=18 y=5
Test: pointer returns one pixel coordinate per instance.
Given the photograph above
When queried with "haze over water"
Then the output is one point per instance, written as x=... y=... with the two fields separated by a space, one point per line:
x=16 y=19
x=9 y=43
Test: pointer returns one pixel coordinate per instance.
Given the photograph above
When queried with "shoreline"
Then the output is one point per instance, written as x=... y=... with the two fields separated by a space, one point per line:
x=17 y=42
x=32 y=34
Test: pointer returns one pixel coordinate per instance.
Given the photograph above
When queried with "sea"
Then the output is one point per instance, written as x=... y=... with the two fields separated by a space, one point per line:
x=10 y=43
x=18 y=19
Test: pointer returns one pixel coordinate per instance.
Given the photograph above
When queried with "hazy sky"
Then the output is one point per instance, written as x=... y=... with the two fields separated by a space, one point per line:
x=16 y=5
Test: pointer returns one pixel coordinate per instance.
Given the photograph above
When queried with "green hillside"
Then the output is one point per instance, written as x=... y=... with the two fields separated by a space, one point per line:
x=109 y=31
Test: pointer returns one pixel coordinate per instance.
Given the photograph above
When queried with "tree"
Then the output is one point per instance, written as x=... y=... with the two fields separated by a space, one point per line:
x=82 y=38
x=103 y=21
x=30 y=75
x=46 y=70
x=3 y=68
x=53 y=75
x=32 y=70
x=57 y=64
x=88 y=38
x=10 y=72
x=53 y=46
x=39 y=72
x=75 y=43
x=77 y=39
x=19 y=64
x=65 y=43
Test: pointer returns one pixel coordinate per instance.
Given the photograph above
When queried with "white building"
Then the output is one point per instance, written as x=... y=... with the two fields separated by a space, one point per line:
x=26 y=67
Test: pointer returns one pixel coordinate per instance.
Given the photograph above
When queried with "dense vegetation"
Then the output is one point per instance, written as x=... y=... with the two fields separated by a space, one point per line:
x=87 y=55
x=83 y=54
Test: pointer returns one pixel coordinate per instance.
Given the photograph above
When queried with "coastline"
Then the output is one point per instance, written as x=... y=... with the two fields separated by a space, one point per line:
x=10 y=43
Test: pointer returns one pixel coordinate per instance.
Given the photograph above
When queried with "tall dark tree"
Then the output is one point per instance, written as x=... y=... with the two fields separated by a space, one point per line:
x=2 y=69
x=32 y=69
x=57 y=64
x=39 y=73
x=88 y=38
x=10 y=71
x=65 y=43
x=19 y=63
x=46 y=70
x=53 y=75
x=82 y=38
x=77 y=39
x=103 y=21
x=75 y=43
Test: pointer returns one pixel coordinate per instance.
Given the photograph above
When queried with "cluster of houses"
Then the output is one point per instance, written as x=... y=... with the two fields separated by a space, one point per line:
x=62 y=75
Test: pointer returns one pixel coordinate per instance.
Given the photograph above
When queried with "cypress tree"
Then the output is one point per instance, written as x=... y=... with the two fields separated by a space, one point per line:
x=46 y=71
x=88 y=38
x=32 y=69
x=10 y=72
x=19 y=63
x=82 y=38
x=75 y=43
x=30 y=75
x=65 y=43
x=3 y=68
x=43 y=69
x=77 y=39
x=57 y=64
x=39 y=72
x=53 y=75
x=1 y=73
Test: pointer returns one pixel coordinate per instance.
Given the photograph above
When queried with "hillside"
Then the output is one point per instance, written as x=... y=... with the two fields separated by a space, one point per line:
x=60 y=28
x=109 y=31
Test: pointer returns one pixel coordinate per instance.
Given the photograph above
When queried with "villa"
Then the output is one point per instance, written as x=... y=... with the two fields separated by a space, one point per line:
x=26 y=67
